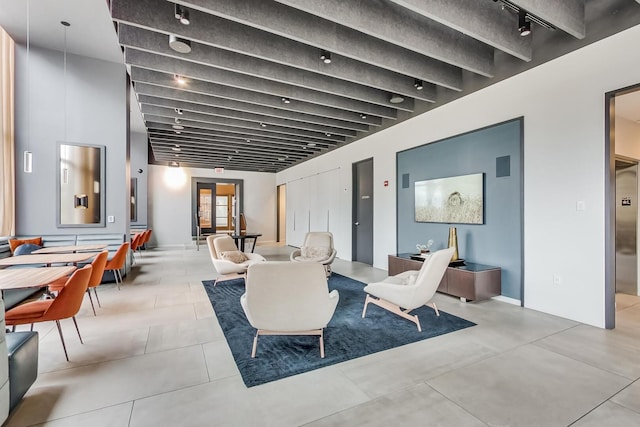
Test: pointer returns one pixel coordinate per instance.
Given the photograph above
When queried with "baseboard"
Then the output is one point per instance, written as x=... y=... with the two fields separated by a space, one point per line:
x=508 y=300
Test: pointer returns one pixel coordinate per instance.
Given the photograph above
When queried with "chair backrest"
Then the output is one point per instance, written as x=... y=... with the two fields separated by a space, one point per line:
x=117 y=262
x=98 y=264
x=147 y=236
x=211 y=245
x=224 y=244
x=319 y=239
x=67 y=303
x=430 y=275
x=287 y=296
x=136 y=241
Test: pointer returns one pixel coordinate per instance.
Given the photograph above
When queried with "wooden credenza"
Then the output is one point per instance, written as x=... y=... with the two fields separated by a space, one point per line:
x=470 y=281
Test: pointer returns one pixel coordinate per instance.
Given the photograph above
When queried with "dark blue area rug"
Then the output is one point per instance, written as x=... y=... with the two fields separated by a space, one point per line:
x=347 y=336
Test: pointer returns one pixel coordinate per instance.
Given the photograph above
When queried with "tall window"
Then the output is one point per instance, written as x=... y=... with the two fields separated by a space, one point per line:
x=7 y=144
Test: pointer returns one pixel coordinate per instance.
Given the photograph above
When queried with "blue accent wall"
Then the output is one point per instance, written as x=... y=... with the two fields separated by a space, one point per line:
x=498 y=241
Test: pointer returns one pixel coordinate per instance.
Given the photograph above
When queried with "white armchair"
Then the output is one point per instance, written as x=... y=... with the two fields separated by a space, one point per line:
x=317 y=247
x=288 y=298
x=227 y=259
x=410 y=289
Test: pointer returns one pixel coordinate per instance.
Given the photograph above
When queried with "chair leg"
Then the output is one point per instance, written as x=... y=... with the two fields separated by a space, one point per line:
x=322 y=344
x=95 y=291
x=120 y=274
x=76 y=323
x=435 y=307
x=31 y=329
x=13 y=328
x=64 y=347
x=255 y=345
x=367 y=300
x=91 y=300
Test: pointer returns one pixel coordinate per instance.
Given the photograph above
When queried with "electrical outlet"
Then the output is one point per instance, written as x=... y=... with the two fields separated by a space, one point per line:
x=111 y=218
x=580 y=206
x=557 y=280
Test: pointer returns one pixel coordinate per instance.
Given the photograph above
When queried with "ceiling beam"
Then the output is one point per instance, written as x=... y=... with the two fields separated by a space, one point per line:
x=201 y=72
x=341 y=72
x=218 y=115
x=278 y=28
x=567 y=15
x=221 y=148
x=402 y=27
x=265 y=114
x=239 y=112
x=167 y=87
x=225 y=125
x=482 y=20
x=212 y=133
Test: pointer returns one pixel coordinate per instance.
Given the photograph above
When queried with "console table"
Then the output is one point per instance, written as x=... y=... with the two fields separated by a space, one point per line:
x=469 y=281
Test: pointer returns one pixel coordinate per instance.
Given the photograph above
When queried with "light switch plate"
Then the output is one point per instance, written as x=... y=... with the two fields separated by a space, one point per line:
x=111 y=218
x=580 y=206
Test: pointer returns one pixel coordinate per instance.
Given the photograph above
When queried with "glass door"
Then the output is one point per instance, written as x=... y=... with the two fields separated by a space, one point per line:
x=205 y=199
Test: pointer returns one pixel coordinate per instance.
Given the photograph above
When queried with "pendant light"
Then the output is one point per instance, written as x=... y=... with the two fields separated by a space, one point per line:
x=27 y=160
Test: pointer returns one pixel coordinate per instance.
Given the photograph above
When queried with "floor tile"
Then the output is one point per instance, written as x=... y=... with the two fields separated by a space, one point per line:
x=112 y=416
x=629 y=397
x=419 y=405
x=528 y=386
x=611 y=415
x=612 y=350
x=183 y=334
x=220 y=362
x=77 y=390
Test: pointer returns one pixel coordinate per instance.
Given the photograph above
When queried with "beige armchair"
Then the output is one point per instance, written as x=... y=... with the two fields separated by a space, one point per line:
x=288 y=298
x=410 y=289
x=227 y=259
x=317 y=247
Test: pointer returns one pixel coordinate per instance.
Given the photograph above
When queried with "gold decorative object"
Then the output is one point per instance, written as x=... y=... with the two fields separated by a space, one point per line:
x=453 y=243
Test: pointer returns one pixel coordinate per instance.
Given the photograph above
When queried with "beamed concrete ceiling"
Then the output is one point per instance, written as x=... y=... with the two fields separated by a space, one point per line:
x=257 y=95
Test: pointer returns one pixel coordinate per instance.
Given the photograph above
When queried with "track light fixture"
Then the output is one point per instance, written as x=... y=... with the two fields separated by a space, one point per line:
x=263 y=125
x=524 y=25
x=286 y=100
x=179 y=79
x=177 y=132
x=177 y=120
x=182 y=14
x=177 y=127
x=325 y=57
x=178 y=110
x=179 y=44
x=174 y=164
x=363 y=116
x=417 y=83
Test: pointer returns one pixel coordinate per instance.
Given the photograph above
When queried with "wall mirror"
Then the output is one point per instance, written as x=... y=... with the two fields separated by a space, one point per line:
x=81 y=183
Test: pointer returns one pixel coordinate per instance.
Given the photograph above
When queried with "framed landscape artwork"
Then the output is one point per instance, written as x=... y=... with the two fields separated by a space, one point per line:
x=458 y=199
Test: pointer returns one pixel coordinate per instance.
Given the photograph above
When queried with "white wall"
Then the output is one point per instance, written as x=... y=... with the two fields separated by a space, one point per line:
x=95 y=93
x=562 y=103
x=170 y=207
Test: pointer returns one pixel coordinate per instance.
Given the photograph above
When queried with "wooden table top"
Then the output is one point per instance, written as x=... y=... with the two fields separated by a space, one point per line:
x=47 y=259
x=32 y=277
x=71 y=248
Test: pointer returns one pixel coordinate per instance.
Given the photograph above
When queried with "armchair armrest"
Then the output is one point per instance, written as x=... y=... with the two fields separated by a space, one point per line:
x=294 y=254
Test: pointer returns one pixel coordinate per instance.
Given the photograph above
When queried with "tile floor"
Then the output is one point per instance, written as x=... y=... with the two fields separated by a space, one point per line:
x=155 y=356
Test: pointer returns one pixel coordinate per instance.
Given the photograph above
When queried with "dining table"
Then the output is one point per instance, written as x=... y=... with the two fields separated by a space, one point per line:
x=69 y=248
x=19 y=278
x=46 y=259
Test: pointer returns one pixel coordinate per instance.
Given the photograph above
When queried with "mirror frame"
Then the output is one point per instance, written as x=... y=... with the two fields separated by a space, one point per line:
x=102 y=163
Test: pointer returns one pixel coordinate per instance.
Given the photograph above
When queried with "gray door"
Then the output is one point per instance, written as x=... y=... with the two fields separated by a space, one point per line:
x=362 y=236
x=626 y=227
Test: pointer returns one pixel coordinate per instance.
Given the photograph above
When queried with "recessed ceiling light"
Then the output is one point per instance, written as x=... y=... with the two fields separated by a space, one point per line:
x=396 y=99
x=178 y=127
x=179 y=44
x=248 y=140
x=286 y=100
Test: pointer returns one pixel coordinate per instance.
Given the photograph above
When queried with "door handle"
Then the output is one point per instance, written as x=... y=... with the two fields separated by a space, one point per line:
x=357 y=223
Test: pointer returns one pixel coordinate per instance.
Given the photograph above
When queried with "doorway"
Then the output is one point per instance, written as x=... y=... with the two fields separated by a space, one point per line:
x=281 y=225
x=216 y=205
x=622 y=121
x=362 y=227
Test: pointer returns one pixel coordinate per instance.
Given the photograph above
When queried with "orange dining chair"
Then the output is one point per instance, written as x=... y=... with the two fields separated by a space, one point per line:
x=136 y=242
x=98 y=264
x=65 y=305
x=116 y=263
x=147 y=237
